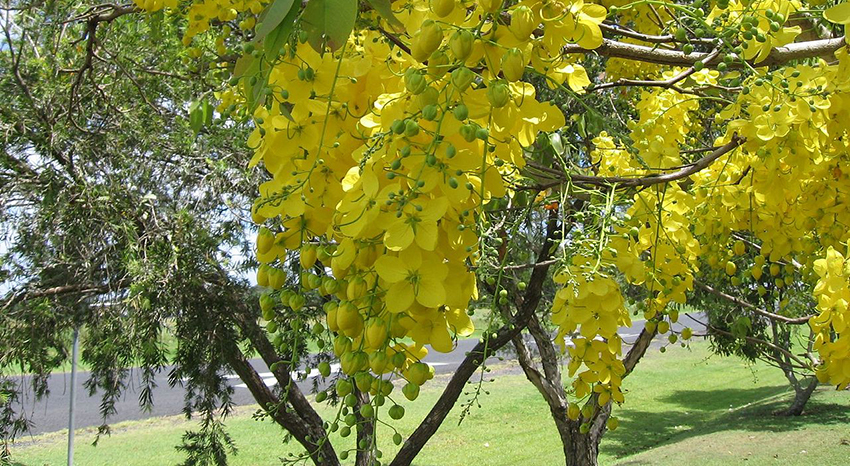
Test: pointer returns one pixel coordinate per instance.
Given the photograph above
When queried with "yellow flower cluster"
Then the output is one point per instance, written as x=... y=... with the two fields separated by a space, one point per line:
x=592 y=304
x=383 y=152
x=155 y=5
x=832 y=325
x=762 y=24
x=384 y=159
x=665 y=119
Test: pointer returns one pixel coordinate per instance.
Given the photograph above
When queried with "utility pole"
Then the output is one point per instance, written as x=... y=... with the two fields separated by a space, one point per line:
x=74 y=351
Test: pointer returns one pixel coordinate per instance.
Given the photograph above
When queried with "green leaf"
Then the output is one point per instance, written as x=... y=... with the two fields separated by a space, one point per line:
x=329 y=22
x=386 y=11
x=250 y=90
x=279 y=35
x=557 y=144
x=272 y=17
x=582 y=126
x=242 y=65
x=256 y=93
x=286 y=110
x=196 y=116
x=208 y=112
x=200 y=114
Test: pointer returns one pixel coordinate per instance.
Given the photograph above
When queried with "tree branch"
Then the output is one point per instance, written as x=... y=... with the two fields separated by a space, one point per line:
x=757 y=310
x=667 y=83
x=778 y=56
x=617 y=29
x=625 y=182
x=770 y=345
x=293 y=394
x=318 y=448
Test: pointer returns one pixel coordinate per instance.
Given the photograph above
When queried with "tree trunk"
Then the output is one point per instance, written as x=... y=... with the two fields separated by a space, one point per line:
x=582 y=449
x=297 y=415
x=782 y=338
x=801 y=397
x=579 y=449
x=365 y=430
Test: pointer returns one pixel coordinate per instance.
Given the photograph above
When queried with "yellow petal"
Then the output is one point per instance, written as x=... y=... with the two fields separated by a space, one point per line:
x=591 y=37
x=391 y=269
x=460 y=322
x=590 y=328
x=345 y=254
x=604 y=397
x=399 y=235
x=431 y=293
x=399 y=297
x=426 y=235
x=440 y=339
x=434 y=210
x=578 y=80
x=433 y=271
x=596 y=13
x=839 y=14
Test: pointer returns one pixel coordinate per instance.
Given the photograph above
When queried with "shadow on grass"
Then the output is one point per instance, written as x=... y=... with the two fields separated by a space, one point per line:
x=706 y=412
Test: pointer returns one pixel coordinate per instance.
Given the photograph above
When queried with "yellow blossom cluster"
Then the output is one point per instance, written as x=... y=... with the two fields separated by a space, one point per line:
x=382 y=160
x=384 y=148
x=832 y=325
x=591 y=303
x=786 y=188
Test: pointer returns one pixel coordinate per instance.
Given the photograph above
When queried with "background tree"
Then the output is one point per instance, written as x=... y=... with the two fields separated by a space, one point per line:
x=758 y=315
x=116 y=218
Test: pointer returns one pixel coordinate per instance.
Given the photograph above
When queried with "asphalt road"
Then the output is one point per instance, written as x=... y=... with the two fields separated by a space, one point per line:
x=51 y=414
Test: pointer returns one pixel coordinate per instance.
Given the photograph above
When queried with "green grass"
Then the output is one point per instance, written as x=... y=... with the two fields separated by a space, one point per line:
x=681 y=408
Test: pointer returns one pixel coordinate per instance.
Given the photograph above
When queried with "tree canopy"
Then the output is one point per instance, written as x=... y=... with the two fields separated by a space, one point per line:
x=393 y=132
x=636 y=150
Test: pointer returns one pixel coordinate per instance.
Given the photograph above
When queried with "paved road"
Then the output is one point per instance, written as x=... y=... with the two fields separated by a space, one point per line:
x=51 y=414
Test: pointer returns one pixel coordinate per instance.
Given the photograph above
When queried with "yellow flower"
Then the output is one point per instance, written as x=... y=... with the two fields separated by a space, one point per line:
x=412 y=278
x=417 y=222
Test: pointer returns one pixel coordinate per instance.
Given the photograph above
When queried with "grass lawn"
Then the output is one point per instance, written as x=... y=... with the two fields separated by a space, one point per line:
x=682 y=408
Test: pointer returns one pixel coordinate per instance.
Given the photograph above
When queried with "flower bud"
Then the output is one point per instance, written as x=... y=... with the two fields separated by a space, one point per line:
x=442 y=8
x=461 y=112
x=265 y=240
x=411 y=128
x=462 y=78
x=523 y=23
x=438 y=64
x=498 y=94
x=429 y=112
x=429 y=96
x=461 y=44
x=513 y=65
x=426 y=41
x=414 y=82
x=467 y=132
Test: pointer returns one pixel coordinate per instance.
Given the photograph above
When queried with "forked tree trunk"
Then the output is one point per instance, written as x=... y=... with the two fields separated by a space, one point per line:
x=582 y=449
x=803 y=389
x=802 y=394
x=579 y=449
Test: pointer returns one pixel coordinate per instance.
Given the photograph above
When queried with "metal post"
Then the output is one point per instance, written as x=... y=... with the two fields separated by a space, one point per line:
x=74 y=351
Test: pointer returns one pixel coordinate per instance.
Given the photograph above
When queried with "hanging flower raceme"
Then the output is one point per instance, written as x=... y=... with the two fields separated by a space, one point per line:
x=385 y=140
